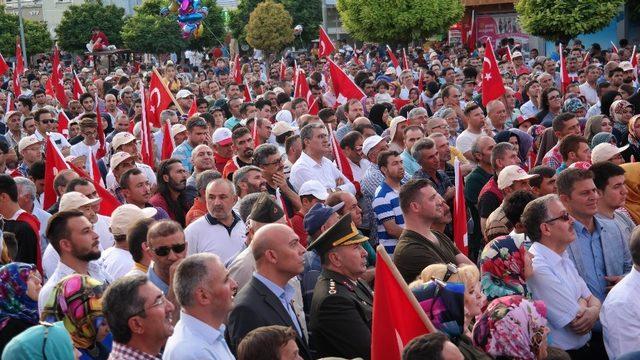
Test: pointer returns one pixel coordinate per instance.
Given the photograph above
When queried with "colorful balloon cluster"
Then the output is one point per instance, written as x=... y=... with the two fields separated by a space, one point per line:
x=190 y=15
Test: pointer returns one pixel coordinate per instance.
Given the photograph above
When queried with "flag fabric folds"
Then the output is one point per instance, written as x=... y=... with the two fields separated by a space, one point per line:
x=492 y=85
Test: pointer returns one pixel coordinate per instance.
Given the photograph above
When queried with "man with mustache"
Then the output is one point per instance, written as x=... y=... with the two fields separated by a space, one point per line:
x=171 y=195
x=136 y=190
x=243 y=149
x=268 y=158
x=249 y=180
x=220 y=231
x=71 y=235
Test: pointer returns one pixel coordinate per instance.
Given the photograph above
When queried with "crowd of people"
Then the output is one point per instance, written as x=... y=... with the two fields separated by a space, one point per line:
x=257 y=237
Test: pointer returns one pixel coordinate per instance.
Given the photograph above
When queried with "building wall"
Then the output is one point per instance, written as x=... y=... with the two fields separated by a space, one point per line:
x=52 y=11
x=31 y=10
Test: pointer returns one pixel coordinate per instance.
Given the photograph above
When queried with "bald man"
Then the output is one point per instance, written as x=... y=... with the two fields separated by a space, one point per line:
x=268 y=298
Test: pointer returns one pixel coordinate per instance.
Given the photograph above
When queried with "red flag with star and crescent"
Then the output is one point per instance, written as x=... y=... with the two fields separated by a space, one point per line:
x=237 y=70
x=57 y=79
x=564 y=73
x=343 y=87
x=102 y=150
x=159 y=99
x=78 y=89
x=325 y=46
x=3 y=65
x=18 y=70
x=460 y=232
x=492 y=85
x=54 y=164
x=301 y=90
x=146 y=144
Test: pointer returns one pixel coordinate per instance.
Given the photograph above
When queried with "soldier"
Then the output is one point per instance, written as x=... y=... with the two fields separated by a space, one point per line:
x=341 y=309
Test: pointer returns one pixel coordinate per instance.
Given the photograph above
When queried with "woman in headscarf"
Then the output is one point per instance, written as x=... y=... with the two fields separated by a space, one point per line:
x=518 y=138
x=536 y=132
x=633 y=140
x=607 y=100
x=549 y=140
x=76 y=300
x=597 y=124
x=621 y=112
x=41 y=342
x=632 y=183
x=20 y=284
x=505 y=265
x=603 y=137
x=379 y=115
x=513 y=327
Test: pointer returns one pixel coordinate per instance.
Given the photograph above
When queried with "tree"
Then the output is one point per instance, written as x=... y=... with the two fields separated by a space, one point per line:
x=400 y=20
x=270 y=27
x=74 y=30
x=213 y=28
x=307 y=13
x=149 y=32
x=36 y=36
x=563 y=20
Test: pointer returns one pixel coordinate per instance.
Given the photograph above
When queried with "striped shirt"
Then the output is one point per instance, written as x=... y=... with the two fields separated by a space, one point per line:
x=386 y=205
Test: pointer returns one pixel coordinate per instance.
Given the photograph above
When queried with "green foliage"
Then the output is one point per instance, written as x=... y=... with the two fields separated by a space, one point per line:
x=213 y=28
x=307 y=13
x=270 y=27
x=563 y=20
x=36 y=36
x=399 y=20
x=74 y=30
x=146 y=31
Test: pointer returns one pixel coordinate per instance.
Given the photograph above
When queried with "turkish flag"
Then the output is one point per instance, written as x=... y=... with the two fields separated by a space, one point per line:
x=247 y=93
x=63 y=124
x=102 y=150
x=397 y=316
x=509 y=57
x=460 y=232
x=325 y=46
x=146 y=145
x=471 y=34
x=159 y=99
x=54 y=164
x=399 y=103
x=193 y=109
x=343 y=87
x=301 y=90
x=78 y=89
x=48 y=87
x=283 y=70
x=634 y=58
x=392 y=57
x=421 y=82
x=18 y=70
x=57 y=79
x=564 y=74
x=405 y=60
x=492 y=85
x=10 y=105
x=168 y=144
x=341 y=159
x=109 y=202
x=95 y=171
x=236 y=72
x=3 y=65
x=586 y=60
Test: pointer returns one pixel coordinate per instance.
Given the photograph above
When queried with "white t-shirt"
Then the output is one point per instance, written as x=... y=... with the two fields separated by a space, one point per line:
x=102 y=228
x=116 y=262
x=465 y=140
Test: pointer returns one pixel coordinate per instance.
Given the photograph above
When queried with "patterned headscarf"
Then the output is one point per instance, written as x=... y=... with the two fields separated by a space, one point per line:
x=572 y=105
x=444 y=305
x=14 y=302
x=502 y=268
x=601 y=138
x=616 y=111
x=633 y=139
x=76 y=300
x=513 y=327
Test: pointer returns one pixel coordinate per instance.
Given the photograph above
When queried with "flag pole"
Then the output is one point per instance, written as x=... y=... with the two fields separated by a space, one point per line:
x=173 y=98
x=405 y=288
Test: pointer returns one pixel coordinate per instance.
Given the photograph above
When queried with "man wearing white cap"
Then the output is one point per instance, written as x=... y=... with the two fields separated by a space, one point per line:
x=178 y=133
x=117 y=261
x=126 y=142
x=311 y=193
x=396 y=133
x=185 y=98
x=313 y=164
x=30 y=148
x=518 y=62
x=120 y=162
x=222 y=144
x=608 y=152
x=281 y=131
x=510 y=179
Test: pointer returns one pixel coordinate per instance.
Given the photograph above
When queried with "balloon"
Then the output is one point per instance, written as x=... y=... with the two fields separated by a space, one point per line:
x=189 y=14
x=297 y=30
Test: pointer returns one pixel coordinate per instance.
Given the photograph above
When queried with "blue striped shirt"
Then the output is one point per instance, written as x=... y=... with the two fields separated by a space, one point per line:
x=386 y=205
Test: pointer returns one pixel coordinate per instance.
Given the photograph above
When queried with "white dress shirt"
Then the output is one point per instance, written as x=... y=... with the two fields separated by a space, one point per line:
x=193 y=339
x=326 y=172
x=620 y=316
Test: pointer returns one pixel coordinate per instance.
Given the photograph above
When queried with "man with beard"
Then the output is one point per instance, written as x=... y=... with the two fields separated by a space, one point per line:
x=386 y=203
x=220 y=231
x=243 y=149
x=171 y=195
x=249 y=180
x=71 y=235
x=136 y=190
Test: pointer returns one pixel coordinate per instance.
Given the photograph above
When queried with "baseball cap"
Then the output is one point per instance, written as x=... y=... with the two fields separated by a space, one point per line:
x=511 y=174
x=516 y=54
x=315 y=188
x=222 y=136
x=394 y=125
x=521 y=120
x=317 y=216
x=284 y=116
x=370 y=142
x=75 y=200
x=281 y=127
x=626 y=66
x=122 y=138
x=125 y=215
x=118 y=158
x=10 y=114
x=183 y=94
x=605 y=151
x=177 y=129
x=27 y=141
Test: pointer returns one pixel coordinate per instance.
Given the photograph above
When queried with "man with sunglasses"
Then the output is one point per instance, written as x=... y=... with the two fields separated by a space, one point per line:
x=572 y=310
x=166 y=246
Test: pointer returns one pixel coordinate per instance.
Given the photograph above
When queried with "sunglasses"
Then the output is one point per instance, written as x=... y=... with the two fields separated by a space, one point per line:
x=564 y=217
x=164 y=250
x=47 y=121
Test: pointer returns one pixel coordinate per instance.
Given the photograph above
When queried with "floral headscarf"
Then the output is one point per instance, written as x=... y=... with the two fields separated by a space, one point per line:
x=76 y=300
x=14 y=302
x=616 y=112
x=633 y=140
x=512 y=326
x=572 y=105
x=502 y=268
x=601 y=138
x=536 y=132
x=444 y=305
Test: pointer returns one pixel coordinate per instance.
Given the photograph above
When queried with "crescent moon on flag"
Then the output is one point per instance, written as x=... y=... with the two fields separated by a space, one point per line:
x=486 y=60
x=155 y=91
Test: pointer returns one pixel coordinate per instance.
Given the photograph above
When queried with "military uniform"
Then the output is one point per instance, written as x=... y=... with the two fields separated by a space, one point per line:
x=341 y=309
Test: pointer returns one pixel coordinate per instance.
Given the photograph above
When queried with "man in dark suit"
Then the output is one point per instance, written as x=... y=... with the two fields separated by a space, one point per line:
x=267 y=298
x=341 y=309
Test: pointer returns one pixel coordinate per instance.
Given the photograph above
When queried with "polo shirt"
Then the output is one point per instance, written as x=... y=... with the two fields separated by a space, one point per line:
x=414 y=252
x=386 y=205
x=442 y=182
x=208 y=235
x=473 y=183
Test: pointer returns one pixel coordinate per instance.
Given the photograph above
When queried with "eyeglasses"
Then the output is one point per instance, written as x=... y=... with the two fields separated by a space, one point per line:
x=564 y=217
x=159 y=302
x=164 y=250
x=555 y=97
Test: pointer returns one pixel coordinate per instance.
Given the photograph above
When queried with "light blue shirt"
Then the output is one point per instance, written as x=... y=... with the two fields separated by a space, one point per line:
x=155 y=280
x=555 y=281
x=183 y=152
x=231 y=122
x=285 y=296
x=410 y=164
x=590 y=247
x=192 y=339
